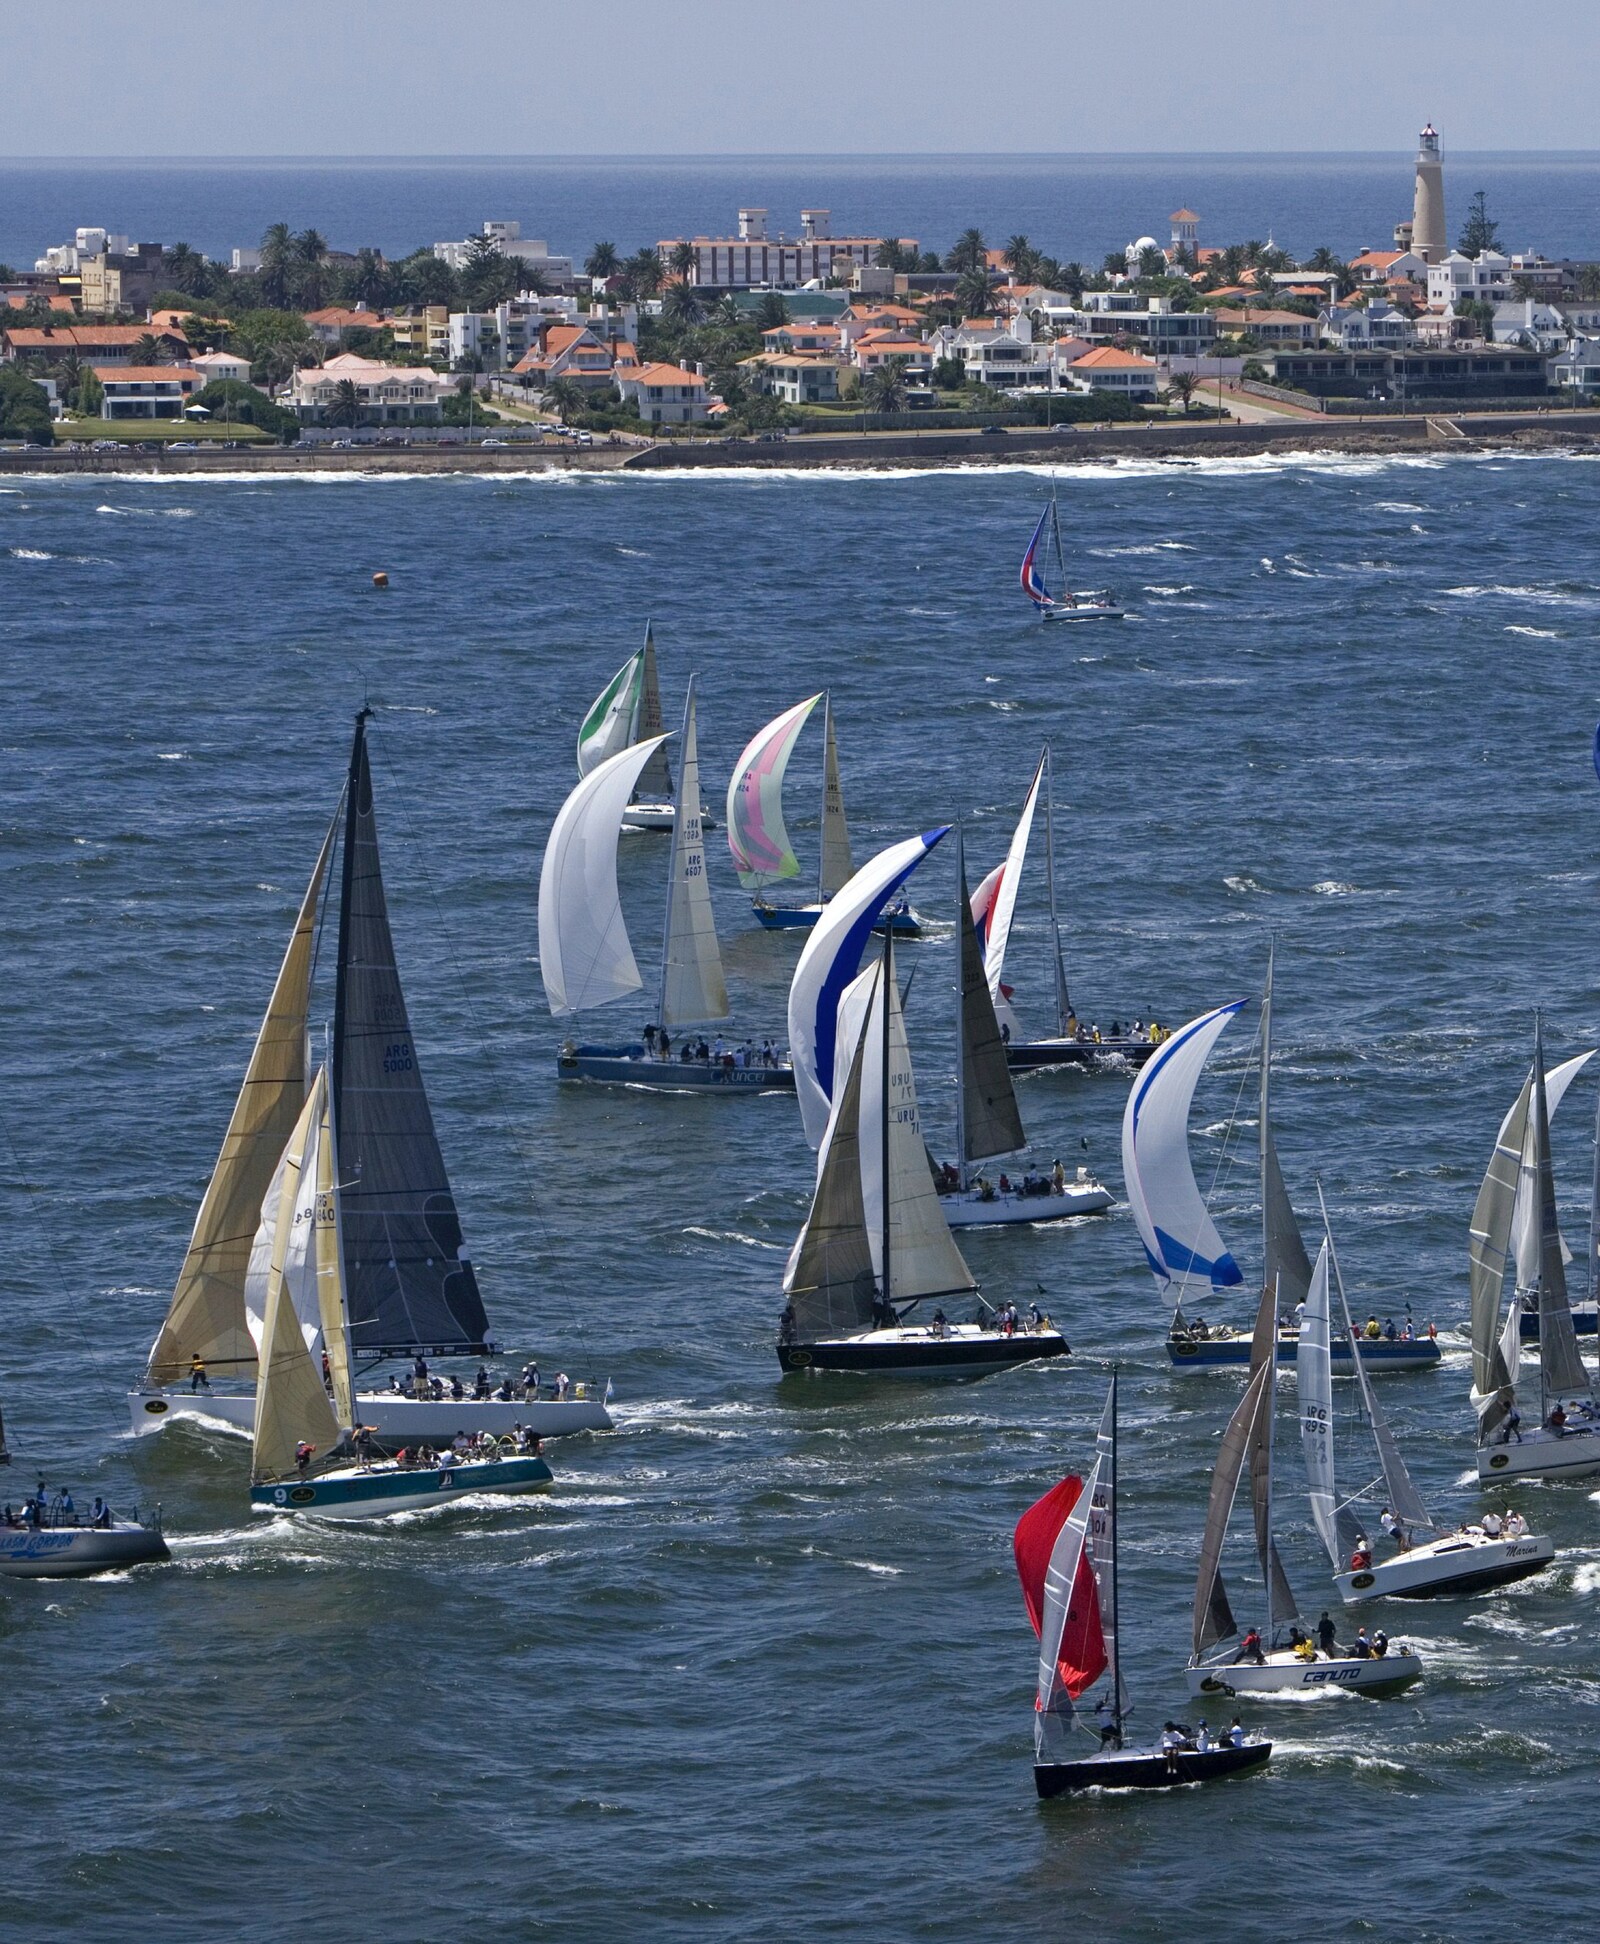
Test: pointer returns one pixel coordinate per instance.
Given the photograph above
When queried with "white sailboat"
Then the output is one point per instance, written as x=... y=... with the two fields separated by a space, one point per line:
x=875 y=1246
x=1065 y=1548
x=1272 y=1661
x=1428 y=1560
x=587 y=959
x=627 y=711
x=988 y=1120
x=1185 y=1253
x=1064 y=603
x=304 y=1418
x=994 y=905
x=413 y=1291
x=1514 y=1220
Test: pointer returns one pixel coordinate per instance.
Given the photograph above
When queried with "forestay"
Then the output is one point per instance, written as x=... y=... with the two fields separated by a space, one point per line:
x=830 y=960
x=584 y=952
x=693 y=990
x=757 y=837
x=1180 y=1240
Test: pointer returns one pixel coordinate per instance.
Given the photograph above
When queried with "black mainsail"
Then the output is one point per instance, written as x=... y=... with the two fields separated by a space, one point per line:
x=408 y=1284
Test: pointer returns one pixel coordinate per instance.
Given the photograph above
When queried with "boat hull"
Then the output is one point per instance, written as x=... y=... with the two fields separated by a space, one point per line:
x=1148 y=1768
x=630 y=1066
x=1199 y=1353
x=1086 y=612
x=657 y=816
x=965 y=1351
x=74 y=1552
x=395 y=1420
x=1037 y=1056
x=1283 y=1674
x=1583 y=1322
x=904 y=924
x=1542 y=1454
x=354 y=1493
x=969 y=1209
x=1448 y=1568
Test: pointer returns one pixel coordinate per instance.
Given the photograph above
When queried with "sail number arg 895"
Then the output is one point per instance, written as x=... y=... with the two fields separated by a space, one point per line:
x=397 y=1057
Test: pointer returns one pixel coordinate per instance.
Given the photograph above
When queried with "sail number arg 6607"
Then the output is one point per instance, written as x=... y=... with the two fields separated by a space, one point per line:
x=397 y=1057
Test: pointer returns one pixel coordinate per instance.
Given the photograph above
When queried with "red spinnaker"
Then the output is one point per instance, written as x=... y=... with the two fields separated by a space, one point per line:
x=1082 y=1658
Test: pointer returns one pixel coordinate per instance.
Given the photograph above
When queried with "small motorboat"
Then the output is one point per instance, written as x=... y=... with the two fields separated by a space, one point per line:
x=1066 y=1552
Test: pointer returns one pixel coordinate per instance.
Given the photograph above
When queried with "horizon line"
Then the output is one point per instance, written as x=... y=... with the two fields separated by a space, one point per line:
x=798 y=155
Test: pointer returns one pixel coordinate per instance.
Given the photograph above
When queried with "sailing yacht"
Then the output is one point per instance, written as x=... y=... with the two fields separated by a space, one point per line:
x=1429 y=1560
x=625 y=712
x=875 y=1245
x=301 y=1411
x=988 y=1121
x=1181 y=1243
x=586 y=957
x=412 y=1290
x=994 y=906
x=1276 y=1668
x=763 y=854
x=1065 y=1548
x=1514 y=1219
x=1064 y=604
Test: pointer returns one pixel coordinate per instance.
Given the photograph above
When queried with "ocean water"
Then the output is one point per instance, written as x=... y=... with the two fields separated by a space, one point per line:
x=1073 y=206
x=757 y=1665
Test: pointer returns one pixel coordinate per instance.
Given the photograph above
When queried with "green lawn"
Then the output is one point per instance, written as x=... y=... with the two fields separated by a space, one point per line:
x=85 y=431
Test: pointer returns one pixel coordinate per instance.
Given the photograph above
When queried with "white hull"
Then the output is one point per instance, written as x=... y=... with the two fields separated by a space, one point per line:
x=73 y=1552
x=395 y=1420
x=647 y=816
x=1542 y=1454
x=1284 y=1674
x=1461 y=1562
x=969 y=1209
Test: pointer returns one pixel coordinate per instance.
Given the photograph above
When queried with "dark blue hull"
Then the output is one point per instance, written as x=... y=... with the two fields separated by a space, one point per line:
x=1192 y=1353
x=631 y=1066
x=904 y=924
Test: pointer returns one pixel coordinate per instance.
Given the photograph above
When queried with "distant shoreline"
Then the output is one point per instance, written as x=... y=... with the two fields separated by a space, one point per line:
x=902 y=451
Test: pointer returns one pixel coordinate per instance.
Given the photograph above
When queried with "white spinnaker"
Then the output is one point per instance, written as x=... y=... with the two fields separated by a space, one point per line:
x=584 y=953
x=1314 y=1381
x=830 y=960
x=608 y=727
x=1180 y=1240
x=1525 y=1213
x=1005 y=903
x=693 y=990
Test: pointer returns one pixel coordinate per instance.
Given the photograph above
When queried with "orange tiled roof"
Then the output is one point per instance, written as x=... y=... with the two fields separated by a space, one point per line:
x=118 y=374
x=664 y=374
x=1107 y=357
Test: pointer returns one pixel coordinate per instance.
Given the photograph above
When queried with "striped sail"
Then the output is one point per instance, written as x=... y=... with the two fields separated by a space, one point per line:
x=762 y=853
x=1032 y=576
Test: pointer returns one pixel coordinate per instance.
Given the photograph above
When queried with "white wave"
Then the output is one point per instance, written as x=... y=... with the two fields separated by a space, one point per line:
x=1538 y=634
x=733 y=1235
x=1398 y=506
x=635 y=553
x=1333 y=888
x=1243 y=883
x=1186 y=587
x=1268 y=565
x=173 y=756
x=29 y=553
x=1542 y=596
x=1152 y=547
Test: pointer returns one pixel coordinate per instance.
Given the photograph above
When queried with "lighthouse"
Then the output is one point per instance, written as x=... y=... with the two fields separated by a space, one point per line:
x=1427 y=211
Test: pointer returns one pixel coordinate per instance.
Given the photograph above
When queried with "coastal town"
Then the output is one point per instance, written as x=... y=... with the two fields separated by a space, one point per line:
x=762 y=335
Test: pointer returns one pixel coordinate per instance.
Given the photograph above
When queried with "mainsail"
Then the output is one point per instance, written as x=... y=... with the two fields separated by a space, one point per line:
x=834 y=869
x=1561 y=1371
x=206 y=1317
x=1248 y=1432
x=584 y=953
x=829 y=1278
x=987 y=1115
x=693 y=991
x=762 y=852
x=1525 y=1239
x=830 y=960
x=408 y=1286
x=1181 y=1242
x=655 y=779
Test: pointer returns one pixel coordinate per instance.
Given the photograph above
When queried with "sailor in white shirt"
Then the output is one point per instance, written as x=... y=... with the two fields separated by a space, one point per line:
x=1516 y=1527
x=1491 y=1525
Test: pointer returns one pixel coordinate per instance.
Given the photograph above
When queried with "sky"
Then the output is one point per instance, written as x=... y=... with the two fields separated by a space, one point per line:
x=185 y=78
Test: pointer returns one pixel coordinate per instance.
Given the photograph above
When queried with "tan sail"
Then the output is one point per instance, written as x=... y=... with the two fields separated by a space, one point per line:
x=328 y=1257
x=836 y=869
x=829 y=1277
x=291 y=1403
x=693 y=991
x=206 y=1317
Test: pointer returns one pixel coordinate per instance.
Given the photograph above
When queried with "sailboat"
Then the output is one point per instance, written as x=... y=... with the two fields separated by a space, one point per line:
x=1065 y=1547
x=1520 y=1183
x=1181 y=1243
x=627 y=711
x=994 y=906
x=988 y=1121
x=875 y=1245
x=1429 y=1560
x=763 y=854
x=412 y=1289
x=300 y=1412
x=586 y=957
x=1276 y=1668
x=1064 y=604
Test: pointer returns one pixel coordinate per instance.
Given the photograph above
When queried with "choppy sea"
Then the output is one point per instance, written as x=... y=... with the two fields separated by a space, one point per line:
x=757 y=1666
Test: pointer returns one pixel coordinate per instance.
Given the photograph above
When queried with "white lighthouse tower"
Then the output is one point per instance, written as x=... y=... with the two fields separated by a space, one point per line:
x=1427 y=210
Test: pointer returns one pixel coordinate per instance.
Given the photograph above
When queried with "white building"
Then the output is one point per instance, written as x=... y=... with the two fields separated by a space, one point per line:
x=1484 y=279
x=1577 y=368
x=221 y=364
x=1123 y=374
x=386 y=394
x=752 y=259
x=1526 y=320
x=1002 y=355
x=1107 y=314
x=1375 y=326
x=146 y=391
x=530 y=251
x=664 y=394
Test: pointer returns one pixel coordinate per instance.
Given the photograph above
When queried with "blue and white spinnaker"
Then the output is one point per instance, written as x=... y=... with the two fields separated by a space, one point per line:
x=831 y=959
x=1180 y=1240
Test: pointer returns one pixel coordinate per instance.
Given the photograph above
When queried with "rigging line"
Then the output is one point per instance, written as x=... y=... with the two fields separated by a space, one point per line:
x=574 y=1309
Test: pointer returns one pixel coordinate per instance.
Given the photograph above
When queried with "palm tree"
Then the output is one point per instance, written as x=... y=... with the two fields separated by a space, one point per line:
x=186 y=269
x=681 y=305
x=684 y=262
x=1323 y=260
x=1589 y=281
x=727 y=316
x=773 y=312
x=277 y=261
x=1183 y=383
x=566 y=395
x=969 y=253
x=344 y=408
x=310 y=246
x=602 y=261
x=1022 y=259
x=645 y=271
x=369 y=278
x=150 y=350
x=974 y=293
x=886 y=387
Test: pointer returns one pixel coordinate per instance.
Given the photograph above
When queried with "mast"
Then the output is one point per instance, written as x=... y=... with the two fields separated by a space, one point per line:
x=672 y=869
x=1116 y=1578
x=347 y=877
x=822 y=827
x=1063 y=1002
x=1264 y=1126
x=888 y=1194
x=961 y=1013
x=1055 y=534
x=1594 y=1207
x=1271 y=1407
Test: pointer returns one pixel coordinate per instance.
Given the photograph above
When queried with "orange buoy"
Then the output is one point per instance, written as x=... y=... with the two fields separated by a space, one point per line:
x=380 y=579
